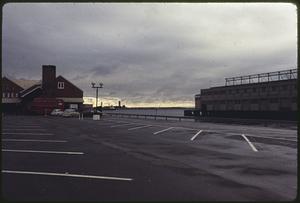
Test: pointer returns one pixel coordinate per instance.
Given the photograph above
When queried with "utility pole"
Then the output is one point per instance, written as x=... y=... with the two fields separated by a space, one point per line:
x=97 y=87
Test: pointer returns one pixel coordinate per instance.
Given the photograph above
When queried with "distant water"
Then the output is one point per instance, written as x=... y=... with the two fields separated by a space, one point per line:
x=159 y=111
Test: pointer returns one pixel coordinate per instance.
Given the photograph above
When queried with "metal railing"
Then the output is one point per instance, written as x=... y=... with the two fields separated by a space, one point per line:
x=242 y=121
x=155 y=117
x=262 y=77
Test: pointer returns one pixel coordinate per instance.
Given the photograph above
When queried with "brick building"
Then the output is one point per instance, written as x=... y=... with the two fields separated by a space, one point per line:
x=270 y=95
x=17 y=95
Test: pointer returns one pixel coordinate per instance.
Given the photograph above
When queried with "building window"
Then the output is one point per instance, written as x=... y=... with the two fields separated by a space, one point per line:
x=60 y=85
x=294 y=99
x=3 y=95
x=254 y=101
x=273 y=100
x=237 y=101
x=17 y=95
x=8 y=94
x=12 y=94
x=284 y=87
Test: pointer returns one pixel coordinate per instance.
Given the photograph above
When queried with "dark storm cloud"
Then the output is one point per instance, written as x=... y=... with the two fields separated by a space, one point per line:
x=148 y=52
x=104 y=69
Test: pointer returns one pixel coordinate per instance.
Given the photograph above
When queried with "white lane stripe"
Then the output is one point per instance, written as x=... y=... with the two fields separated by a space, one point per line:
x=11 y=129
x=162 y=131
x=145 y=126
x=22 y=126
x=251 y=145
x=31 y=140
x=113 y=126
x=27 y=134
x=116 y=121
x=67 y=175
x=273 y=138
x=196 y=135
x=39 y=151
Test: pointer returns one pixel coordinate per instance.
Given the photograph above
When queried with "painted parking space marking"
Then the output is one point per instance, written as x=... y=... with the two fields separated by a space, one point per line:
x=22 y=126
x=144 y=126
x=163 y=130
x=9 y=133
x=251 y=145
x=67 y=175
x=40 y=151
x=113 y=126
x=272 y=138
x=31 y=140
x=114 y=121
x=194 y=137
x=22 y=129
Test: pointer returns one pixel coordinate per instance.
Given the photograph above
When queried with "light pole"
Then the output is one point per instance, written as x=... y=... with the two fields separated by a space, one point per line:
x=97 y=87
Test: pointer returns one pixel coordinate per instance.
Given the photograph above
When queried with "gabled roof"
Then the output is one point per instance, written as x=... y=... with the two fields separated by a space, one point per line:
x=25 y=84
x=30 y=90
x=68 y=82
x=12 y=81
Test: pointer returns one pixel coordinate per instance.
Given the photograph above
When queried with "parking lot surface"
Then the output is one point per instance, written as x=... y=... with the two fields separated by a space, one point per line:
x=55 y=158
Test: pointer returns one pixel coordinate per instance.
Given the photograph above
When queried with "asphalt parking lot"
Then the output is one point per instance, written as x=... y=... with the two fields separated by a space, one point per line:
x=55 y=158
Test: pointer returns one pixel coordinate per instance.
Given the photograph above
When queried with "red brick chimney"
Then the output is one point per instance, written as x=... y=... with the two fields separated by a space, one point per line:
x=48 y=80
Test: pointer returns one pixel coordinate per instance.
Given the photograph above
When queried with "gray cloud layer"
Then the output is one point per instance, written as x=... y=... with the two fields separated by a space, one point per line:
x=148 y=52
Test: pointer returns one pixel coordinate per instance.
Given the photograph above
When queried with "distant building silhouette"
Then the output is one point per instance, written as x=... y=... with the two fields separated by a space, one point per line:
x=270 y=95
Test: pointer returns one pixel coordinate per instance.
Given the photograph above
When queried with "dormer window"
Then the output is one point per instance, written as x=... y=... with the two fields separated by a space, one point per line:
x=60 y=85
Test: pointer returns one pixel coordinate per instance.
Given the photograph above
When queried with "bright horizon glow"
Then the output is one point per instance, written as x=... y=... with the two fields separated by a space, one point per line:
x=113 y=101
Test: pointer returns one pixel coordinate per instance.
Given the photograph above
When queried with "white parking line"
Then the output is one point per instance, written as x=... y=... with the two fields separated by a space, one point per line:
x=196 y=135
x=116 y=121
x=162 y=130
x=27 y=134
x=31 y=140
x=67 y=175
x=273 y=138
x=145 y=126
x=22 y=126
x=11 y=129
x=38 y=151
x=251 y=145
x=113 y=126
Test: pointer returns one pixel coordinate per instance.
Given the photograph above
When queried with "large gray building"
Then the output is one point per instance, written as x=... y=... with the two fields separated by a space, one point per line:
x=270 y=95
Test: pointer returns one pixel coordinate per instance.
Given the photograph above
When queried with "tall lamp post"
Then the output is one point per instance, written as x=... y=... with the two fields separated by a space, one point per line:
x=97 y=87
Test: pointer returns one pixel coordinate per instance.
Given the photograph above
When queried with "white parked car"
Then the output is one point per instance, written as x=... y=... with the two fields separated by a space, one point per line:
x=70 y=113
x=56 y=112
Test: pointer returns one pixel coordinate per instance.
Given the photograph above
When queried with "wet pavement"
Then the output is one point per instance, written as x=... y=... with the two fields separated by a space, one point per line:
x=54 y=158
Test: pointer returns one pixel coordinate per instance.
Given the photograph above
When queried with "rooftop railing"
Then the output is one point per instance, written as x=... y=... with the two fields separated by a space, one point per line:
x=262 y=77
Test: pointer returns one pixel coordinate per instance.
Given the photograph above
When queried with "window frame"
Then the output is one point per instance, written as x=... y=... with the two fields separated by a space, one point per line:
x=60 y=85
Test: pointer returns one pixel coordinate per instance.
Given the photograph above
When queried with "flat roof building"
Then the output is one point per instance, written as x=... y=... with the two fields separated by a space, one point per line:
x=270 y=95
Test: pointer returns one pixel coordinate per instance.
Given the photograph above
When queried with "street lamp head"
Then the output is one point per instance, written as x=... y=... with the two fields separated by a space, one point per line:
x=93 y=84
x=101 y=84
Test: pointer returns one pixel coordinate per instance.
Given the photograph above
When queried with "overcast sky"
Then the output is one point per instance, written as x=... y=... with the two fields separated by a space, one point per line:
x=149 y=54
